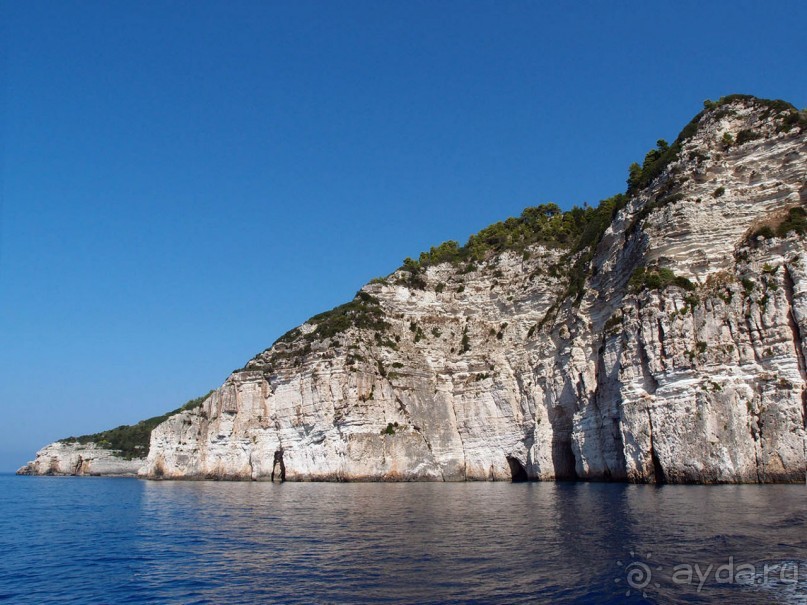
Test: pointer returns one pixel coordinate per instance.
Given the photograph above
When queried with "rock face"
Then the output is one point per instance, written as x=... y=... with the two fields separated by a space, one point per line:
x=670 y=349
x=80 y=459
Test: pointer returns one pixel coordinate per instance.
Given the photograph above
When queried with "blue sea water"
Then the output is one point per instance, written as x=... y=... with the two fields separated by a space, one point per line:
x=101 y=540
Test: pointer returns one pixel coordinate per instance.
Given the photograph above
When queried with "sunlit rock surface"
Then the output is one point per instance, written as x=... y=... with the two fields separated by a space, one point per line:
x=498 y=370
x=80 y=459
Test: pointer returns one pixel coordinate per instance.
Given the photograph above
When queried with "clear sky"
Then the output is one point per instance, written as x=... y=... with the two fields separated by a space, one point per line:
x=182 y=182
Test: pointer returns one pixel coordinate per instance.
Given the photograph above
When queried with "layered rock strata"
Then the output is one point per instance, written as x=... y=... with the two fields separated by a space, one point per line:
x=673 y=352
x=78 y=459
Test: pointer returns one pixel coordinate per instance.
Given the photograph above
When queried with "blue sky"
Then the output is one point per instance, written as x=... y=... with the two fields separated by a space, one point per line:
x=183 y=182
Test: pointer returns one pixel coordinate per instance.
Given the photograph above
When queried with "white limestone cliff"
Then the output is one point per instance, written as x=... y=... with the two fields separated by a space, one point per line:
x=79 y=459
x=508 y=368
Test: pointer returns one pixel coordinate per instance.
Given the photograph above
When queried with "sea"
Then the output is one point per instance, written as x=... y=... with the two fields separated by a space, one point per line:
x=108 y=541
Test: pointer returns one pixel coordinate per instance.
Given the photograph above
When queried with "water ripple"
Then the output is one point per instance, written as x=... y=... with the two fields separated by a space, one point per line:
x=126 y=541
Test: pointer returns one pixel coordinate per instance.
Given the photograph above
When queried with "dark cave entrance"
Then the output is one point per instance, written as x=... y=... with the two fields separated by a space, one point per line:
x=517 y=471
x=279 y=466
x=658 y=471
x=563 y=460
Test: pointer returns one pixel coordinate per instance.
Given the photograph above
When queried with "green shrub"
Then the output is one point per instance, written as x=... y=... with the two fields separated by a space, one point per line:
x=656 y=160
x=545 y=224
x=383 y=341
x=657 y=278
x=578 y=230
x=765 y=231
x=719 y=192
x=796 y=221
x=447 y=252
x=364 y=312
x=691 y=302
x=659 y=158
x=289 y=336
x=744 y=136
x=613 y=322
x=683 y=282
x=793 y=119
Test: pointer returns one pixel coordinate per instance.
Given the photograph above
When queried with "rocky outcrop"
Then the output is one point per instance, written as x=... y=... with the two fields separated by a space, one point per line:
x=665 y=345
x=80 y=459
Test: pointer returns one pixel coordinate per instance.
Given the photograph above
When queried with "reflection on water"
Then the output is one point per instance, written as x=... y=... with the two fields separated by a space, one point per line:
x=106 y=540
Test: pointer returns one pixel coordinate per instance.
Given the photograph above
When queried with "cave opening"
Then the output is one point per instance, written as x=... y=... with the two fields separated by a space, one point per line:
x=563 y=460
x=517 y=471
x=279 y=466
x=658 y=471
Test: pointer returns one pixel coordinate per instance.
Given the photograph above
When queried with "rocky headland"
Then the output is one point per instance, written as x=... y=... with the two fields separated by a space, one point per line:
x=658 y=337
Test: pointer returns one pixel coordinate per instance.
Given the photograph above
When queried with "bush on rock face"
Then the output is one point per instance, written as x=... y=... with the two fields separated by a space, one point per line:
x=656 y=278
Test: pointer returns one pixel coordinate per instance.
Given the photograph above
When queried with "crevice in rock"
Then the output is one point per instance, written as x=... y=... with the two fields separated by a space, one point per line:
x=660 y=330
x=408 y=416
x=797 y=342
x=610 y=437
x=649 y=382
x=658 y=470
x=279 y=466
x=752 y=332
x=730 y=324
x=518 y=473
x=462 y=442
x=563 y=459
x=429 y=447
x=755 y=436
x=77 y=469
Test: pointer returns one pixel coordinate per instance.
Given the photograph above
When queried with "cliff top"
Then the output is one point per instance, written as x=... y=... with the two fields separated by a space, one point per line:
x=573 y=236
x=577 y=231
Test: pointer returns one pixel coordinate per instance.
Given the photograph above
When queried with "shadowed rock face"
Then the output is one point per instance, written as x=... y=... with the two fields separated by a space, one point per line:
x=493 y=371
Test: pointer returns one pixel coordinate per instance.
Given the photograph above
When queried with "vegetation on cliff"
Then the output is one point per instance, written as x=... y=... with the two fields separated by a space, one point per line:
x=364 y=311
x=794 y=221
x=546 y=224
x=656 y=160
x=657 y=278
x=578 y=231
x=132 y=440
